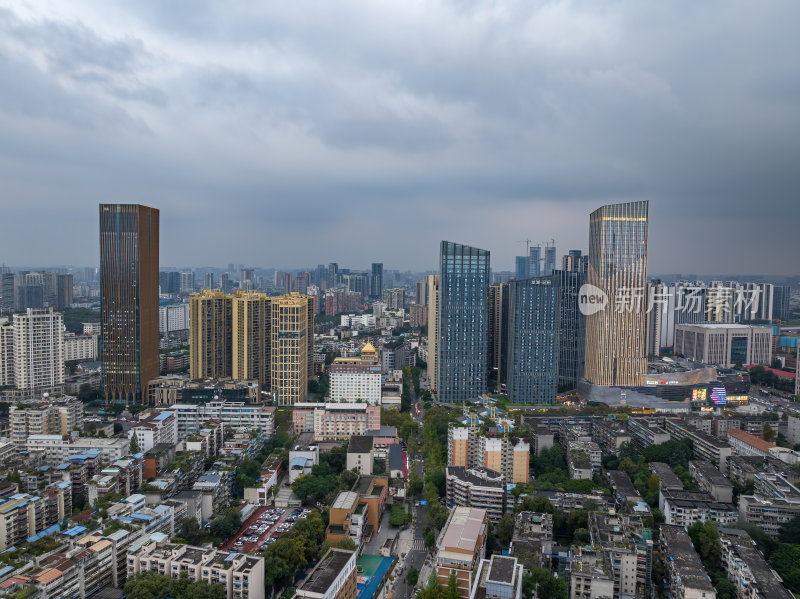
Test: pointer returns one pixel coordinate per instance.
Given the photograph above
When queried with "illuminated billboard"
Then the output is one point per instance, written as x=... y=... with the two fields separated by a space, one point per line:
x=719 y=396
x=699 y=394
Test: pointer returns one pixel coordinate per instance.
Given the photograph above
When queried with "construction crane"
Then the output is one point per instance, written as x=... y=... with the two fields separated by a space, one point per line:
x=527 y=243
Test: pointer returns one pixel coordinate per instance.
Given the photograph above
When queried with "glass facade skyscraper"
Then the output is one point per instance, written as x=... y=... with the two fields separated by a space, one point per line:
x=571 y=329
x=615 y=336
x=376 y=280
x=129 y=300
x=463 y=322
x=533 y=338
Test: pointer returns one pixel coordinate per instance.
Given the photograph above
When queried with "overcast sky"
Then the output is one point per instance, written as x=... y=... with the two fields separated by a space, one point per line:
x=294 y=133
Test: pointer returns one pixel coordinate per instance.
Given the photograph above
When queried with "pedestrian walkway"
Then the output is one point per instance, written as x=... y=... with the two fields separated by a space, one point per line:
x=419 y=544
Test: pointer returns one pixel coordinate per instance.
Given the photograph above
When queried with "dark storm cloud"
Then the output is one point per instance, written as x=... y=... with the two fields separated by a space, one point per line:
x=349 y=125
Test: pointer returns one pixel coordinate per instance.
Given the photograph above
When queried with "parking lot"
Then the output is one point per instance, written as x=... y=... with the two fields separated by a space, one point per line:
x=263 y=528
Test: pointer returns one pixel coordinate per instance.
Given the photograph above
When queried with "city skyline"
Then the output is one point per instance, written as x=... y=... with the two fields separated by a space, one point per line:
x=247 y=126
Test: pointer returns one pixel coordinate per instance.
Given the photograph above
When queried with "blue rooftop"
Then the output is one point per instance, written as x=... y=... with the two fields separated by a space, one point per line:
x=163 y=416
x=75 y=531
x=47 y=531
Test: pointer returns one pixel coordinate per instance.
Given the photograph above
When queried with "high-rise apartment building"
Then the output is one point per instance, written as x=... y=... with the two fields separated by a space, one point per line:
x=574 y=261
x=333 y=275
x=463 y=322
x=571 y=329
x=433 y=331
x=498 y=335
x=63 y=291
x=38 y=349
x=210 y=326
x=225 y=283
x=251 y=339
x=6 y=352
x=615 y=335
x=208 y=280
x=422 y=292
x=533 y=324
x=129 y=300
x=187 y=282
x=6 y=292
x=290 y=347
x=170 y=282
x=376 y=280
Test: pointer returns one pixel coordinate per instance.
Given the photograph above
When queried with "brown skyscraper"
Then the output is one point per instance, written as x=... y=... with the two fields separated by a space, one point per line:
x=129 y=298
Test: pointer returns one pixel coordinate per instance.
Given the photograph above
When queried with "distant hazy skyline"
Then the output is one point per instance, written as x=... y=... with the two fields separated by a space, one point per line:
x=292 y=134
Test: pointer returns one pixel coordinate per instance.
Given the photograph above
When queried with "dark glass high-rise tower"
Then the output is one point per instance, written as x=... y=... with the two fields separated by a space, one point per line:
x=533 y=321
x=129 y=300
x=376 y=280
x=463 y=322
x=571 y=329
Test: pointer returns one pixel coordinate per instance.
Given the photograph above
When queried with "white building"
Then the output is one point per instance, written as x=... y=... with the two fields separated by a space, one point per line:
x=358 y=321
x=58 y=448
x=355 y=381
x=82 y=348
x=38 y=349
x=173 y=318
x=6 y=353
x=162 y=428
x=192 y=417
x=724 y=344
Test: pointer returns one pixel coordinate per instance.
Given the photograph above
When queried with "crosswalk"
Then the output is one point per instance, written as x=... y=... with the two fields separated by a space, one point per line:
x=419 y=545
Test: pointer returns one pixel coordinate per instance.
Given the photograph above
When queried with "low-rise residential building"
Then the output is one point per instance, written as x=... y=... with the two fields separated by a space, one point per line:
x=744 y=443
x=532 y=543
x=683 y=508
x=303 y=456
x=685 y=577
x=477 y=488
x=80 y=348
x=498 y=578
x=334 y=577
x=171 y=389
x=610 y=434
x=647 y=431
x=584 y=459
x=58 y=448
x=748 y=570
x=711 y=480
x=704 y=446
x=236 y=414
x=242 y=575
x=629 y=551
x=591 y=576
x=360 y=454
x=774 y=503
x=335 y=421
x=462 y=546
x=270 y=474
x=161 y=428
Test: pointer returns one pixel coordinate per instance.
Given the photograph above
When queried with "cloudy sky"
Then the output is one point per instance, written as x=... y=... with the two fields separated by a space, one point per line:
x=292 y=133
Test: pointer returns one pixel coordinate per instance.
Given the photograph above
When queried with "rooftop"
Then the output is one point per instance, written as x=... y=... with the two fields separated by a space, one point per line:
x=359 y=444
x=326 y=571
x=751 y=440
x=345 y=500
x=465 y=529
x=501 y=569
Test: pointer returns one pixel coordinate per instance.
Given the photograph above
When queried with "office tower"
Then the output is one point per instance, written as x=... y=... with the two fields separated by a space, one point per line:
x=129 y=300
x=535 y=261
x=320 y=275
x=571 y=329
x=247 y=275
x=463 y=322
x=549 y=260
x=28 y=293
x=170 y=282
x=250 y=336
x=290 y=348
x=422 y=292
x=533 y=322
x=187 y=282
x=685 y=305
x=780 y=302
x=433 y=331
x=38 y=348
x=498 y=339
x=63 y=291
x=574 y=261
x=208 y=281
x=6 y=293
x=394 y=298
x=521 y=267
x=210 y=330
x=615 y=352
x=376 y=282
x=333 y=274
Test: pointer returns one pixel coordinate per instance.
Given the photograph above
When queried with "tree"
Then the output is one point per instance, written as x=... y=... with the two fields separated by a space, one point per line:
x=429 y=538
x=347 y=543
x=414 y=484
x=452 y=592
x=769 y=433
x=134 y=446
x=545 y=585
x=580 y=536
x=505 y=528
x=412 y=577
x=790 y=532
